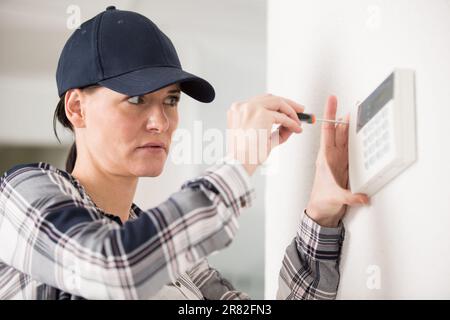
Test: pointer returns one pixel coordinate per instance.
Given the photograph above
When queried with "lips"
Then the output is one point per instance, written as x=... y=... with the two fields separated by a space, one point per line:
x=155 y=145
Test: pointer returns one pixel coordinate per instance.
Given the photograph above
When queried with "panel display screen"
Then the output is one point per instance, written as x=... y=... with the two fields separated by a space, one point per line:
x=375 y=102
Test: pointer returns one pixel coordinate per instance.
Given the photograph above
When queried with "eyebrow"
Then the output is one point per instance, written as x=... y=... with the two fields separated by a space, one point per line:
x=170 y=91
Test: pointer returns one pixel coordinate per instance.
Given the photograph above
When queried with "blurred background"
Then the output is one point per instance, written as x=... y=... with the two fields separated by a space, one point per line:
x=222 y=41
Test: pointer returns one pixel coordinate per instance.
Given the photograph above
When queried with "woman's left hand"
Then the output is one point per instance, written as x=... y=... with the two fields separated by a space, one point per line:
x=330 y=195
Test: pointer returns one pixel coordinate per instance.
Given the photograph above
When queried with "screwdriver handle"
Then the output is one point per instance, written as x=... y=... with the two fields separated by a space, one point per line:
x=306 y=117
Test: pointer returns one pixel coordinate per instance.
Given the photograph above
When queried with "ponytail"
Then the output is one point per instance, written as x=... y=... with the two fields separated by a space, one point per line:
x=60 y=116
x=71 y=158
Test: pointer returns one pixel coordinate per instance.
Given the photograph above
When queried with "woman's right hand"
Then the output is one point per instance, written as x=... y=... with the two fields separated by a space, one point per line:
x=330 y=194
x=249 y=128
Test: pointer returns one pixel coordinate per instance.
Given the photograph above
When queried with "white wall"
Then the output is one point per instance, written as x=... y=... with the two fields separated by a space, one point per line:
x=317 y=48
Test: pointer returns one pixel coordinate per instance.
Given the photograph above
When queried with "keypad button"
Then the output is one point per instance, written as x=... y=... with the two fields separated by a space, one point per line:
x=380 y=154
x=380 y=132
x=365 y=132
x=386 y=148
x=378 y=143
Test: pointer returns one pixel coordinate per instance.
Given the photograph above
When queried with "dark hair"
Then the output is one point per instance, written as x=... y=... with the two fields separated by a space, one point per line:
x=60 y=116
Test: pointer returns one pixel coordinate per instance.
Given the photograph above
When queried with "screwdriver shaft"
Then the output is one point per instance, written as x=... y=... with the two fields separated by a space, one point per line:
x=310 y=118
x=331 y=121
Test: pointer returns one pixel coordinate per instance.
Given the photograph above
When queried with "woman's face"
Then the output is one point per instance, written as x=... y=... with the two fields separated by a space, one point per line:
x=119 y=130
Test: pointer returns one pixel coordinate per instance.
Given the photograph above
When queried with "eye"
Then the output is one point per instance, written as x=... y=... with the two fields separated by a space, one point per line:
x=136 y=100
x=172 y=101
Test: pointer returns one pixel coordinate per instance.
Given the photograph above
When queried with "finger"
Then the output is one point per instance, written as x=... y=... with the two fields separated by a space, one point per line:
x=285 y=121
x=342 y=132
x=282 y=105
x=329 y=129
x=279 y=136
x=285 y=133
x=297 y=106
x=354 y=199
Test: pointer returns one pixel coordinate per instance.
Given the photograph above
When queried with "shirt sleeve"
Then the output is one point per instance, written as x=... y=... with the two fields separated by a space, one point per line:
x=213 y=285
x=310 y=267
x=49 y=233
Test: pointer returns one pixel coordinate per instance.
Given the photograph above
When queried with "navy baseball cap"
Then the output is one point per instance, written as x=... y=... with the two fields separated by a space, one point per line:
x=125 y=52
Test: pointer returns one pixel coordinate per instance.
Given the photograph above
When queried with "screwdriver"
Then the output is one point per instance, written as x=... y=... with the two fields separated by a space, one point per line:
x=310 y=118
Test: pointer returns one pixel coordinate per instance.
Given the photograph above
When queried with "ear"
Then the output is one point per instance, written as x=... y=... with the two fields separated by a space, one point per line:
x=74 y=108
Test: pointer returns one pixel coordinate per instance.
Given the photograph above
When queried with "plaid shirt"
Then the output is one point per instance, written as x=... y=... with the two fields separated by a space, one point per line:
x=55 y=243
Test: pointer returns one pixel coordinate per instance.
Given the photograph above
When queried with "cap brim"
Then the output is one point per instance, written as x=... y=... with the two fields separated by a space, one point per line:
x=147 y=80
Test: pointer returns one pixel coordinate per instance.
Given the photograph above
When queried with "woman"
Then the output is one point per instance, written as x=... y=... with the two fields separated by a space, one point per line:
x=77 y=234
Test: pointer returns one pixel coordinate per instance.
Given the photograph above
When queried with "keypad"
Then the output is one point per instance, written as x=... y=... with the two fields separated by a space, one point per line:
x=376 y=139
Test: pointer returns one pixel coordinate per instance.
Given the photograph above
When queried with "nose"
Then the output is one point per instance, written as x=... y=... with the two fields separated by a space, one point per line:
x=157 y=120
